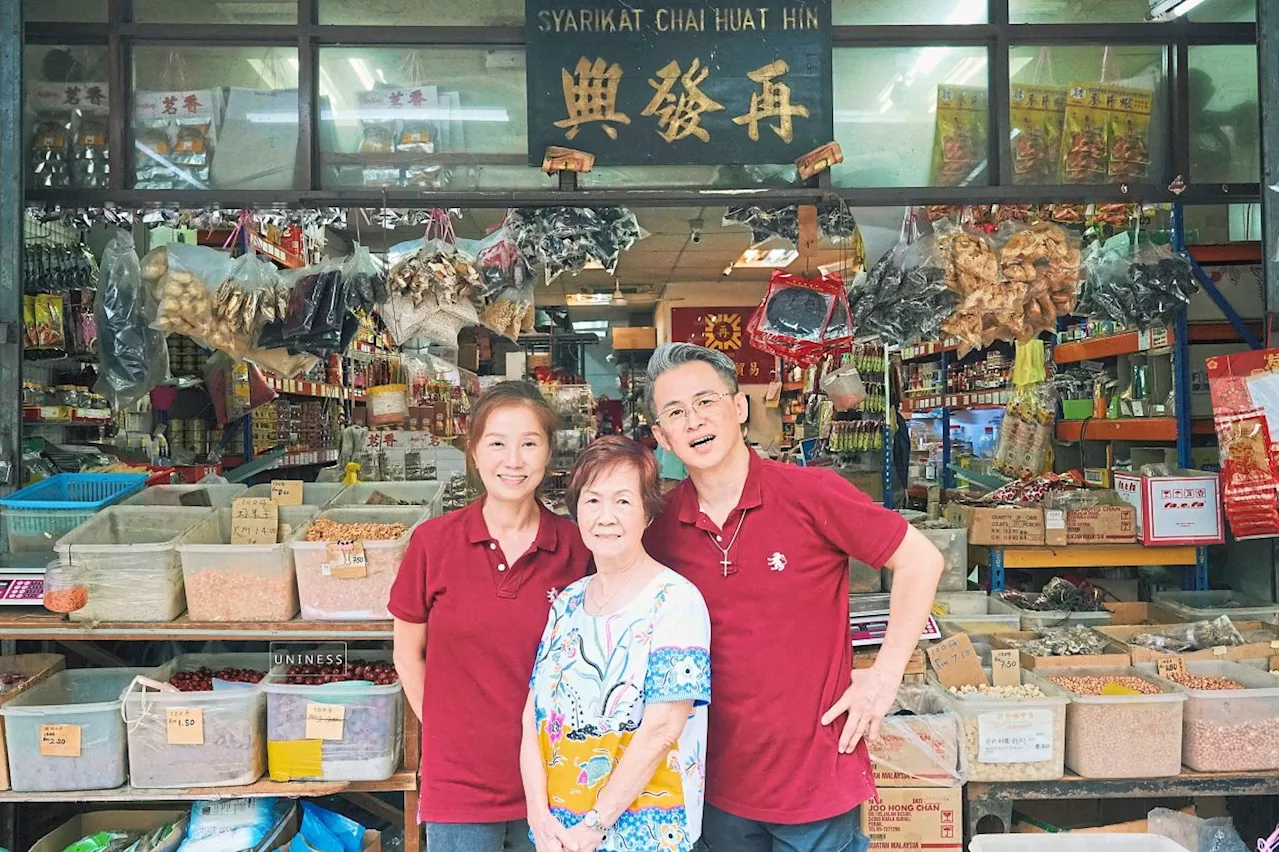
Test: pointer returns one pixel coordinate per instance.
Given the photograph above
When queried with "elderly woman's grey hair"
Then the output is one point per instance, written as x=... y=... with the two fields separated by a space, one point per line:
x=669 y=356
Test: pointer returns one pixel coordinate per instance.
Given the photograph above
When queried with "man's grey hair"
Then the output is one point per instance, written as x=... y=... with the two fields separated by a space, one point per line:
x=669 y=356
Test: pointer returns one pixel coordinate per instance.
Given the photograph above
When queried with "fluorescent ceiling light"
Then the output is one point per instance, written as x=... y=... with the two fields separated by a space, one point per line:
x=588 y=299
x=1164 y=10
x=490 y=114
x=590 y=325
x=764 y=258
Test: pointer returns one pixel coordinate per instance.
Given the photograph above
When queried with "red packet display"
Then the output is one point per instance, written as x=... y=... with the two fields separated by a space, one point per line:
x=1245 y=389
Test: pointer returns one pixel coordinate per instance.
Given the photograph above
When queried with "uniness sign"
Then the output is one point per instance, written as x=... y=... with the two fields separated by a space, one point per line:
x=679 y=83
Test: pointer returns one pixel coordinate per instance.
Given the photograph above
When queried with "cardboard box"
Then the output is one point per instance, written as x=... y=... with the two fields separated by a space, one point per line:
x=915 y=818
x=1102 y=525
x=1117 y=654
x=1000 y=525
x=469 y=357
x=36 y=667
x=921 y=750
x=643 y=337
x=1174 y=510
x=1125 y=613
x=82 y=825
x=1262 y=640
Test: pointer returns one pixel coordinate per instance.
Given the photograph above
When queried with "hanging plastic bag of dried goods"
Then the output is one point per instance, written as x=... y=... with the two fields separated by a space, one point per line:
x=566 y=239
x=801 y=318
x=988 y=308
x=902 y=298
x=134 y=357
x=243 y=303
x=324 y=337
x=366 y=282
x=235 y=387
x=1026 y=432
x=501 y=265
x=1045 y=259
x=182 y=280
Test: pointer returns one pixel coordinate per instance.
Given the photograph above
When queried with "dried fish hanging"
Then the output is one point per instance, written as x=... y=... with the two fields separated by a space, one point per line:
x=433 y=292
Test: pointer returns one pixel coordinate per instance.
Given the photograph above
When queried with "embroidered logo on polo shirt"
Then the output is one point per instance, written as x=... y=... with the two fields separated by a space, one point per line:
x=777 y=562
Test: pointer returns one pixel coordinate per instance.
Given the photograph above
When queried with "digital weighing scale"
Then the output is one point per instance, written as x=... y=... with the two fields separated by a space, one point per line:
x=22 y=578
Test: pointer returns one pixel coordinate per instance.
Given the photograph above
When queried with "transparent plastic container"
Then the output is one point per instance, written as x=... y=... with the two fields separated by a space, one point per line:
x=1206 y=606
x=427 y=493
x=234 y=747
x=920 y=748
x=241 y=582
x=1010 y=739
x=1229 y=730
x=1032 y=620
x=953 y=544
x=1121 y=736
x=35 y=517
x=318 y=494
x=128 y=559
x=975 y=613
x=1073 y=843
x=88 y=700
x=372 y=736
x=213 y=495
x=324 y=597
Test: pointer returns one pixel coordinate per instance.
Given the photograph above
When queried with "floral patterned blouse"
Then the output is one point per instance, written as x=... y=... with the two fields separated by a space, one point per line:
x=591 y=681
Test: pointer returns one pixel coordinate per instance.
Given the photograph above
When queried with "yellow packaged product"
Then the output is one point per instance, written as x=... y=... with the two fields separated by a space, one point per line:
x=1130 y=123
x=1036 y=114
x=960 y=135
x=1084 y=134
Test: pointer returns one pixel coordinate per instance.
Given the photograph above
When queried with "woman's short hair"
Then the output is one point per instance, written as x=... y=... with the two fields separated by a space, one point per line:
x=604 y=454
x=503 y=395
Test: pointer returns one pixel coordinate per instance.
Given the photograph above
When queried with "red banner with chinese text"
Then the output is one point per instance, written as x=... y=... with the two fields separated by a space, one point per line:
x=724 y=329
x=1245 y=389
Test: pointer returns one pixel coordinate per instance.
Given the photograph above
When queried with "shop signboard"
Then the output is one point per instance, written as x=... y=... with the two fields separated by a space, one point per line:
x=684 y=82
x=724 y=329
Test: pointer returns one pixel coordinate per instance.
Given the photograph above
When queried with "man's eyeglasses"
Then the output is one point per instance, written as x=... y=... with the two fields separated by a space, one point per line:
x=703 y=404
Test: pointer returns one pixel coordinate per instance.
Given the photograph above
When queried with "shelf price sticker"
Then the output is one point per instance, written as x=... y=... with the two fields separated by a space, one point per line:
x=1171 y=667
x=1006 y=667
x=286 y=492
x=59 y=740
x=345 y=560
x=184 y=725
x=254 y=520
x=1015 y=736
x=956 y=663
x=324 y=721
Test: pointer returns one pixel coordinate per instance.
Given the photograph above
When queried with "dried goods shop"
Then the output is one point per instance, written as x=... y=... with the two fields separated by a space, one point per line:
x=1007 y=266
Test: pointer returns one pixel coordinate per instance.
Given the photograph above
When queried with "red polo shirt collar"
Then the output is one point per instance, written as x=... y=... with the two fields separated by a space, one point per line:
x=546 y=539
x=752 y=494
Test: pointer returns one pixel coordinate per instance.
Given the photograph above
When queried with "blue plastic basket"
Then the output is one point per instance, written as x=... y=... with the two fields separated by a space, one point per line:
x=38 y=515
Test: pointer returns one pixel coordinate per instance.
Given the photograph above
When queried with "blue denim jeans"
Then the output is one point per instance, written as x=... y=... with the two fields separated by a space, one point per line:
x=722 y=832
x=479 y=836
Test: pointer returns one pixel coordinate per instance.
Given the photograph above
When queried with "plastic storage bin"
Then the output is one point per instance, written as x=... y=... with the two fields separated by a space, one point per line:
x=1033 y=620
x=87 y=703
x=371 y=739
x=198 y=496
x=240 y=582
x=975 y=613
x=1206 y=606
x=865 y=580
x=1073 y=843
x=35 y=517
x=1121 y=736
x=318 y=494
x=128 y=558
x=953 y=543
x=324 y=597
x=428 y=493
x=232 y=750
x=1010 y=739
x=1229 y=730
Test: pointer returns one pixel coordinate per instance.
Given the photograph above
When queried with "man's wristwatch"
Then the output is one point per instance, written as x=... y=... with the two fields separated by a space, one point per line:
x=593 y=821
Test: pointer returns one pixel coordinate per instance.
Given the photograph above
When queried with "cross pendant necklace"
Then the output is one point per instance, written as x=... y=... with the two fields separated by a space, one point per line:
x=725 y=562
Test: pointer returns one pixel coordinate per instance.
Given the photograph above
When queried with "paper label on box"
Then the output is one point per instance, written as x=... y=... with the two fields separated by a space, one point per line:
x=324 y=721
x=59 y=740
x=1055 y=519
x=345 y=560
x=286 y=492
x=1015 y=736
x=184 y=725
x=254 y=520
x=1006 y=667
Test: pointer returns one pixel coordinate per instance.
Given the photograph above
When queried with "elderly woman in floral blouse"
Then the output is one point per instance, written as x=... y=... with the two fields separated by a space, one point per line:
x=615 y=727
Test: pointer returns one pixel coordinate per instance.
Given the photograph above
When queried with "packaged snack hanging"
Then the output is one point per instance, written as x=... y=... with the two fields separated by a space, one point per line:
x=801 y=318
x=1128 y=133
x=960 y=135
x=1246 y=412
x=235 y=387
x=988 y=308
x=1084 y=135
x=1026 y=432
x=1036 y=114
x=182 y=280
x=1046 y=260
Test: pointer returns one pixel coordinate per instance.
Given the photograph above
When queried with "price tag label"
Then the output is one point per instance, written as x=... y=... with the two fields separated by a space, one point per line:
x=1144 y=340
x=184 y=725
x=1006 y=667
x=956 y=662
x=1015 y=736
x=59 y=740
x=345 y=560
x=324 y=721
x=254 y=520
x=286 y=492
x=1171 y=667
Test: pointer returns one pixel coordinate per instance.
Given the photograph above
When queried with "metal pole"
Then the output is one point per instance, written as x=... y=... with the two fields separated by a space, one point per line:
x=1268 y=69
x=11 y=242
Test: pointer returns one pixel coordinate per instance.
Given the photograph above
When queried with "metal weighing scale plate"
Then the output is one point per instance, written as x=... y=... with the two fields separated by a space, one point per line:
x=22 y=578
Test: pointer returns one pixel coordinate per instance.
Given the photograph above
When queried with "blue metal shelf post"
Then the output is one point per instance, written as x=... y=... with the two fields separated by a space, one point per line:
x=887 y=450
x=947 y=478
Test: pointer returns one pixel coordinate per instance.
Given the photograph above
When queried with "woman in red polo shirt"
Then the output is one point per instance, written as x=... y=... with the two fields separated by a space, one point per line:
x=470 y=603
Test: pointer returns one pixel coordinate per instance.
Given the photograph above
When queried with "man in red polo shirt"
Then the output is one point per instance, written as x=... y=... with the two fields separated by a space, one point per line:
x=768 y=545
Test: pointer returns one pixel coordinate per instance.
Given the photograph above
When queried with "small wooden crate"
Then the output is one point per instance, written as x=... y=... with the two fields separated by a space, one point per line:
x=36 y=667
x=864 y=658
x=1117 y=654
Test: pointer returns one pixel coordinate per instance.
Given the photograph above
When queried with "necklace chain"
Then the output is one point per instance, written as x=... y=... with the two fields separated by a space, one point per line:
x=601 y=606
x=726 y=562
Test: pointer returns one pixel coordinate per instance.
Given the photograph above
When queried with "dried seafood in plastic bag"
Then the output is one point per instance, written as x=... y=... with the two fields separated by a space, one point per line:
x=1045 y=259
x=1180 y=638
x=565 y=239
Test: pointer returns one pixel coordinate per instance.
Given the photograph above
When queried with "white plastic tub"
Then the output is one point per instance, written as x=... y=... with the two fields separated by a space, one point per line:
x=975 y=613
x=1010 y=739
x=1206 y=606
x=318 y=494
x=128 y=558
x=324 y=597
x=213 y=495
x=234 y=748
x=1073 y=843
x=372 y=741
x=1031 y=619
x=87 y=700
x=1121 y=736
x=1229 y=730
x=241 y=582
x=426 y=493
